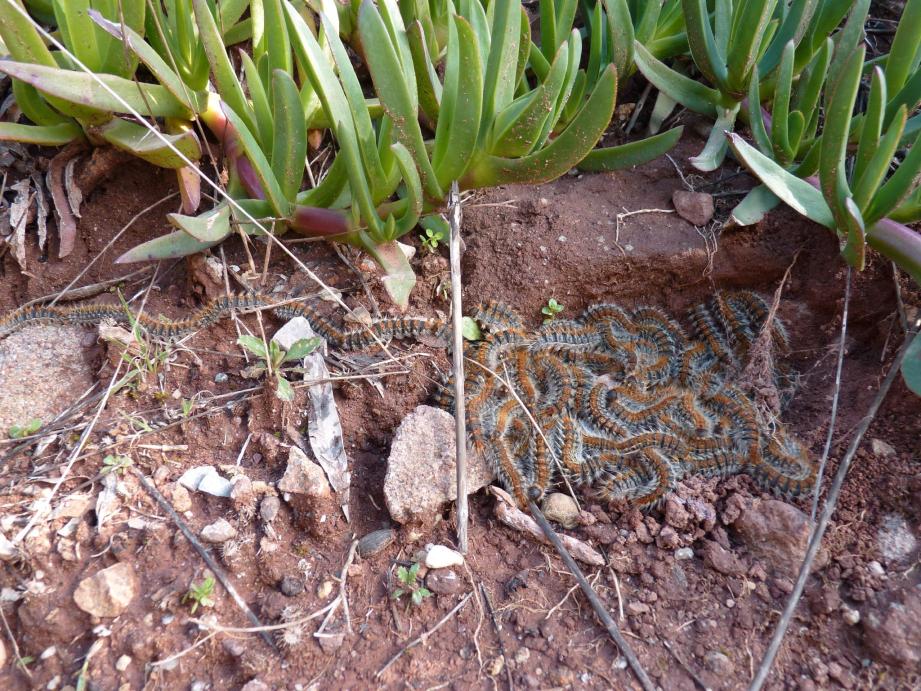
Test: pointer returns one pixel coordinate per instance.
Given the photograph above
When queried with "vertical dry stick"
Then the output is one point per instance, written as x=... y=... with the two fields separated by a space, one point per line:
x=827 y=511
x=834 y=401
x=460 y=410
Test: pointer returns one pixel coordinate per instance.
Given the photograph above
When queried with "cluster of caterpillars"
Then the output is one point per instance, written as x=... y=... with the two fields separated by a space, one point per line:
x=621 y=400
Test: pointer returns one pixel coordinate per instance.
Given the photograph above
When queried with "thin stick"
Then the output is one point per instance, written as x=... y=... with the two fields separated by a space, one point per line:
x=88 y=291
x=824 y=519
x=495 y=625
x=23 y=666
x=423 y=637
x=460 y=408
x=593 y=599
x=151 y=489
x=834 y=400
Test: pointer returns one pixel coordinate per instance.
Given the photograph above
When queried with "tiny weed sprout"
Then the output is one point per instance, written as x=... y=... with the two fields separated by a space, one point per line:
x=201 y=594
x=187 y=405
x=470 y=329
x=431 y=239
x=275 y=357
x=409 y=585
x=551 y=310
x=115 y=464
x=25 y=430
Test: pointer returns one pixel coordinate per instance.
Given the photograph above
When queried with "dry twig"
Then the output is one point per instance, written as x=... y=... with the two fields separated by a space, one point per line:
x=460 y=408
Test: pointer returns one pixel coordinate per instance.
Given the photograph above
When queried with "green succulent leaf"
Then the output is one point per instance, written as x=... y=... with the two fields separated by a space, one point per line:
x=254 y=345
x=854 y=250
x=896 y=189
x=84 y=89
x=715 y=149
x=911 y=366
x=754 y=206
x=906 y=47
x=702 y=42
x=399 y=278
x=171 y=246
x=632 y=154
x=165 y=150
x=290 y=140
x=686 y=91
x=211 y=226
x=43 y=135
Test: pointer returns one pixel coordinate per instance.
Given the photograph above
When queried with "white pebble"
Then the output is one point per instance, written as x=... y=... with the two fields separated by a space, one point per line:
x=684 y=553
x=441 y=557
x=851 y=616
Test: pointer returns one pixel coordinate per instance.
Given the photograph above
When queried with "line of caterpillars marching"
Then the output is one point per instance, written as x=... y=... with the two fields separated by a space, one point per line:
x=625 y=401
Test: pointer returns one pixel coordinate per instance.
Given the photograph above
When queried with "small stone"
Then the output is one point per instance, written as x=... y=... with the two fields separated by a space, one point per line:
x=444 y=582
x=303 y=476
x=896 y=539
x=218 y=532
x=331 y=642
x=694 y=207
x=684 y=553
x=637 y=608
x=109 y=592
x=242 y=495
x=73 y=506
x=121 y=664
x=561 y=508
x=441 y=557
x=233 y=647
x=719 y=663
x=495 y=666
x=325 y=589
x=881 y=448
x=291 y=586
x=375 y=542
x=876 y=569
x=522 y=655
x=721 y=560
x=668 y=538
x=255 y=685
x=2 y=654
x=180 y=498
x=675 y=514
x=198 y=686
x=220 y=377
x=268 y=508
x=421 y=472
x=850 y=616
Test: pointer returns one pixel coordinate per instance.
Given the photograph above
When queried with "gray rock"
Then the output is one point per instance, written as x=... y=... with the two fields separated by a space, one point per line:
x=891 y=630
x=43 y=369
x=779 y=533
x=291 y=586
x=444 y=582
x=421 y=472
x=108 y=592
x=303 y=476
x=719 y=663
x=684 y=553
x=375 y=542
x=255 y=685
x=218 y=532
x=561 y=508
x=881 y=448
x=722 y=560
x=331 y=642
x=896 y=539
x=694 y=207
x=268 y=508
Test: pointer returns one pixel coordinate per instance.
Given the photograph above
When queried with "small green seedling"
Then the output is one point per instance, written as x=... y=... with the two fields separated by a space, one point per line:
x=550 y=310
x=470 y=330
x=275 y=357
x=431 y=239
x=116 y=464
x=410 y=586
x=187 y=405
x=201 y=594
x=26 y=430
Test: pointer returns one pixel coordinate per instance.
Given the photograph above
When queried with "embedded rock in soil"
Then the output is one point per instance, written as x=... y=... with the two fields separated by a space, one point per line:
x=694 y=207
x=421 y=471
x=218 y=532
x=892 y=631
x=561 y=508
x=722 y=560
x=896 y=540
x=444 y=582
x=309 y=494
x=375 y=542
x=107 y=593
x=43 y=369
x=779 y=533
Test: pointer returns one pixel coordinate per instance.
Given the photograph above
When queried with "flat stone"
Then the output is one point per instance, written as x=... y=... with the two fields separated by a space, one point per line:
x=107 y=593
x=444 y=582
x=180 y=498
x=891 y=630
x=218 y=532
x=421 y=472
x=303 y=476
x=694 y=207
x=779 y=533
x=269 y=507
x=441 y=557
x=43 y=369
x=881 y=448
x=375 y=542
